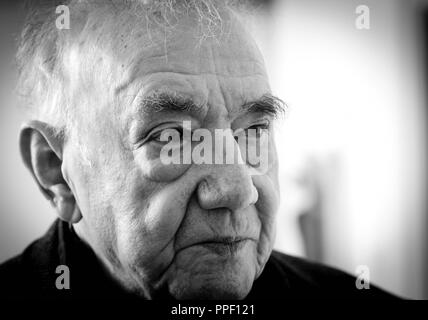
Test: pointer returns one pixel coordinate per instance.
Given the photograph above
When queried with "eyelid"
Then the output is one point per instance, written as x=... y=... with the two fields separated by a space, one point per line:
x=262 y=122
x=159 y=129
x=252 y=119
x=142 y=137
x=266 y=124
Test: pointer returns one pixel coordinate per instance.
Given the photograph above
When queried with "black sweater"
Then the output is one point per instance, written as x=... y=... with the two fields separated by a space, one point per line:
x=31 y=275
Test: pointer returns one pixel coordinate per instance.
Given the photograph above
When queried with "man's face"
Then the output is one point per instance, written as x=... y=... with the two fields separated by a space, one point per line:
x=193 y=230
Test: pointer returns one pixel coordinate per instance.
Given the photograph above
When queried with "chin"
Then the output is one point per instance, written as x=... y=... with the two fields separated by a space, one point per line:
x=212 y=290
x=228 y=282
x=212 y=273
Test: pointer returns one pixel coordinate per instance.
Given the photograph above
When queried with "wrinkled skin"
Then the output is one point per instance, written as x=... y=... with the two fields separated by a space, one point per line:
x=169 y=228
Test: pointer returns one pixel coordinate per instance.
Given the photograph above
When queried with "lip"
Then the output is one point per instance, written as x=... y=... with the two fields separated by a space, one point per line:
x=222 y=245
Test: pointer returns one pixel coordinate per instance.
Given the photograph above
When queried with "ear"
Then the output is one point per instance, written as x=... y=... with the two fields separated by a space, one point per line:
x=41 y=150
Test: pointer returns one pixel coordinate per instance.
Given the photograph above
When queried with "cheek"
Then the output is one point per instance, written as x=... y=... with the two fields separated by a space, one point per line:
x=268 y=191
x=267 y=206
x=148 y=221
x=261 y=156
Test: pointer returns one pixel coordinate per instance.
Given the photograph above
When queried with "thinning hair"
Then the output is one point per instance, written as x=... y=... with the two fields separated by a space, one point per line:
x=43 y=80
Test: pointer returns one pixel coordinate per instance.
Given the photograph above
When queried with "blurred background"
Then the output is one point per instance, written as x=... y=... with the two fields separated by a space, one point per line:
x=352 y=146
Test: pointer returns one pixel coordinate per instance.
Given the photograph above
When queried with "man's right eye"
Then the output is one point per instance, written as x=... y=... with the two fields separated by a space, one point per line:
x=165 y=135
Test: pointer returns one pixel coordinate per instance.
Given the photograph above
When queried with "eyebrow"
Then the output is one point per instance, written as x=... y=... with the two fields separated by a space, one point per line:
x=267 y=104
x=160 y=102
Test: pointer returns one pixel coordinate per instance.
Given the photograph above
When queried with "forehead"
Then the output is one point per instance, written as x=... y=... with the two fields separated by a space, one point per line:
x=221 y=71
x=125 y=60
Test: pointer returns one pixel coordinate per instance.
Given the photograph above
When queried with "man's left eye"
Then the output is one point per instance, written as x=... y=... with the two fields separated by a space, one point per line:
x=253 y=131
x=257 y=129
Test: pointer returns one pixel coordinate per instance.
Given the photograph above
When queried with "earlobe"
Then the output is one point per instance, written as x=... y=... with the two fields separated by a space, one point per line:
x=65 y=203
x=41 y=151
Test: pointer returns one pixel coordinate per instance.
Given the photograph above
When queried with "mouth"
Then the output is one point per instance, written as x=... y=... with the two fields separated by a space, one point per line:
x=223 y=245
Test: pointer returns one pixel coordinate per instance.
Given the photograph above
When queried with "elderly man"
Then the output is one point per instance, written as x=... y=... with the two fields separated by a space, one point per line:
x=101 y=96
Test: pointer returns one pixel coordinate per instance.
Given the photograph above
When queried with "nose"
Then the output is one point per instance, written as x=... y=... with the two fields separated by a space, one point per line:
x=227 y=186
